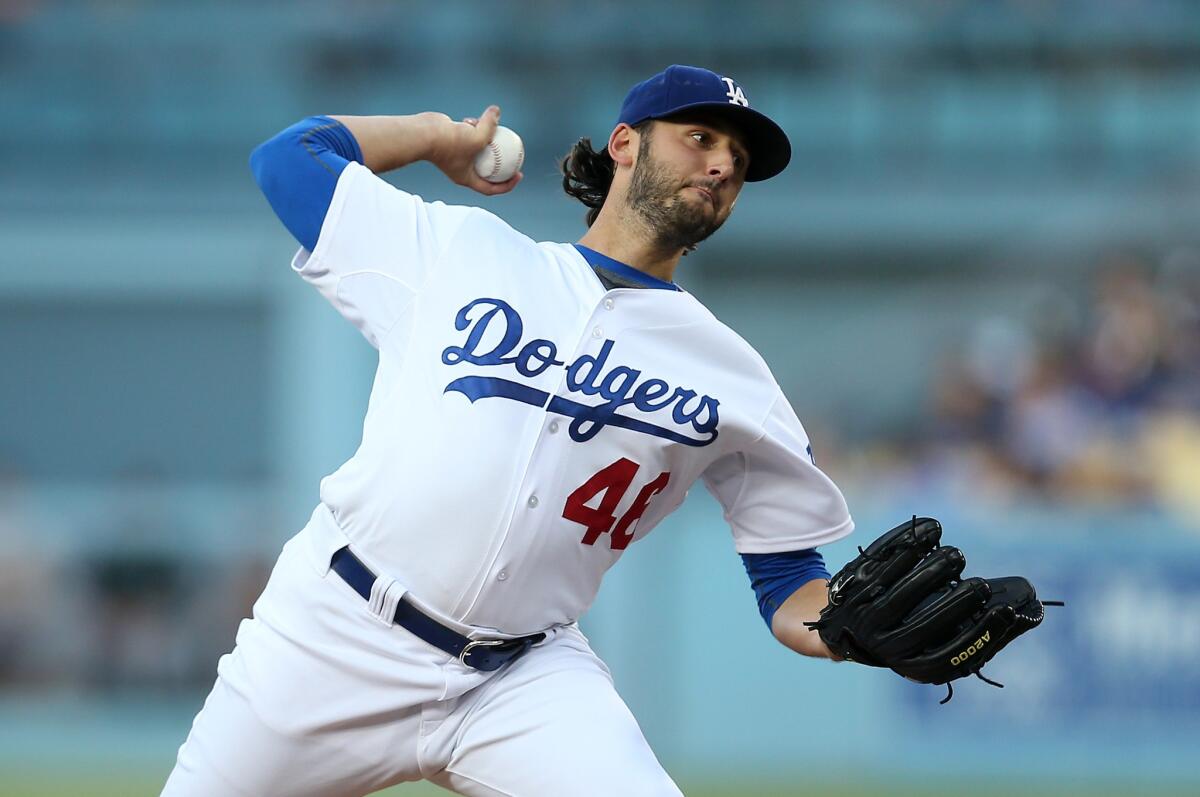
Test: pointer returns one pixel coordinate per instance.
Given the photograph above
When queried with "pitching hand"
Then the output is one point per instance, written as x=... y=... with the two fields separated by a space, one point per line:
x=458 y=143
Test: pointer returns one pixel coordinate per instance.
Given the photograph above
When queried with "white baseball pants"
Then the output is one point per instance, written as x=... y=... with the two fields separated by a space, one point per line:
x=321 y=697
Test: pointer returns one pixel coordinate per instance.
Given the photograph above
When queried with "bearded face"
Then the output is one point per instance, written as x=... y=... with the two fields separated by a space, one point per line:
x=677 y=214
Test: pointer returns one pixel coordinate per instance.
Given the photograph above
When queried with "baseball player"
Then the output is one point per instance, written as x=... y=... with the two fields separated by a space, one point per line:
x=538 y=408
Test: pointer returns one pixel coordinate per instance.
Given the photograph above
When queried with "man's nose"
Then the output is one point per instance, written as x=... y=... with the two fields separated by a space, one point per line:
x=720 y=166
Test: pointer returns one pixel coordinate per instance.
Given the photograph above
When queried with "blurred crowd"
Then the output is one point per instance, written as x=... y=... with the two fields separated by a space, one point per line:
x=1086 y=397
x=124 y=602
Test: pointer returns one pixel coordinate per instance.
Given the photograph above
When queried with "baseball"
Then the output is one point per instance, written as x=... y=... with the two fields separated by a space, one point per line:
x=502 y=157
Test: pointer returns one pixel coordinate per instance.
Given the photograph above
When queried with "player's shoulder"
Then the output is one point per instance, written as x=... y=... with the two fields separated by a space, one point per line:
x=734 y=347
x=485 y=221
x=482 y=224
x=485 y=240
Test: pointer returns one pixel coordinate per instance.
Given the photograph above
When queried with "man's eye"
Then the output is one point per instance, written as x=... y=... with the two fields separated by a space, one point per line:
x=701 y=137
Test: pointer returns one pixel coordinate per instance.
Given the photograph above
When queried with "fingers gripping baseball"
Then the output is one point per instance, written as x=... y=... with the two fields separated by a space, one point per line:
x=461 y=142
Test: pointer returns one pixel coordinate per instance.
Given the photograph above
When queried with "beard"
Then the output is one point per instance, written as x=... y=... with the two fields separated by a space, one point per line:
x=674 y=223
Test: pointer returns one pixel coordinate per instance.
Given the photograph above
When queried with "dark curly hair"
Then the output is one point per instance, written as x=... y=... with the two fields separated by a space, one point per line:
x=588 y=174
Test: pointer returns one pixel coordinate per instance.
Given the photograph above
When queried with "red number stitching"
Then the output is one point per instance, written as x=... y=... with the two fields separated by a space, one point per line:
x=622 y=535
x=614 y=482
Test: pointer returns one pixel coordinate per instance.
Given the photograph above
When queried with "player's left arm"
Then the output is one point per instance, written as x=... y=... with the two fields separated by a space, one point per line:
x=804 y=606
x=791 y=588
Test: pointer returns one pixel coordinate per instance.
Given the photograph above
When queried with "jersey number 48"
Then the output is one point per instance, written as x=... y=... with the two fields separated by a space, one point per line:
x=613 y=481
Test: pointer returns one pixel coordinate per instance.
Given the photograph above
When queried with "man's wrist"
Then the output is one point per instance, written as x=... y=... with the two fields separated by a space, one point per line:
x=432 y=128
x=790 y=622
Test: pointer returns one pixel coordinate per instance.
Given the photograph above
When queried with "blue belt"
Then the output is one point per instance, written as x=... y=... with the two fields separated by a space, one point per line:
x=481 y=654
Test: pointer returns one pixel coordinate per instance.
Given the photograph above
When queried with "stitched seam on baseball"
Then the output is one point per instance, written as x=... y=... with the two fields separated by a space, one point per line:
x=495 y=159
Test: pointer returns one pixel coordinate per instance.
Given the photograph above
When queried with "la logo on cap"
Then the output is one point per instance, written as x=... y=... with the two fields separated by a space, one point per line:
x=695 y=90
x=735 y=94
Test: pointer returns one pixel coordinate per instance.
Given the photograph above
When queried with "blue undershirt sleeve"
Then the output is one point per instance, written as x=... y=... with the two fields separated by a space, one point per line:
x=298 y=170
x=775 y=576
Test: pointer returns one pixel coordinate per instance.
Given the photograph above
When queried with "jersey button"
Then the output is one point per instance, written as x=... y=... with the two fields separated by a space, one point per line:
x=597 y=332
x=533 y=502
x=502 y=575
x=553 y=427
x=609 y=304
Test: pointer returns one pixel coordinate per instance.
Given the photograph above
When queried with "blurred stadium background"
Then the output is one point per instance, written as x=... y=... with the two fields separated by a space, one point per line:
x=979 y=282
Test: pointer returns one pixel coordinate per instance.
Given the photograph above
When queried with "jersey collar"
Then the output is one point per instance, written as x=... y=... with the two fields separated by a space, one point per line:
x=597 y=260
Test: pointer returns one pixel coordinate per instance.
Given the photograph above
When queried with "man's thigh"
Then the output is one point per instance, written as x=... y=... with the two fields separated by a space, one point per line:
x=318 y=697
x=552 y=725
x=232 y=751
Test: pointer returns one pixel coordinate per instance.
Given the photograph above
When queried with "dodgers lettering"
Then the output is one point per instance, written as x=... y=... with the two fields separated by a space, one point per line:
x=513 y=327
x=589 y=375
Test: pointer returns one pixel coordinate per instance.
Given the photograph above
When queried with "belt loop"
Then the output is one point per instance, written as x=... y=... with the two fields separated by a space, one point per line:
x=385 y=596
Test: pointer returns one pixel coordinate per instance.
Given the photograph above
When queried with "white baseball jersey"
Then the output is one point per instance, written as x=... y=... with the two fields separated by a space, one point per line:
x=527 y=425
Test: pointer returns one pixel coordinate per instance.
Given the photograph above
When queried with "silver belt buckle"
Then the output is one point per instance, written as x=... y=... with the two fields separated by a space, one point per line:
x=477 y=643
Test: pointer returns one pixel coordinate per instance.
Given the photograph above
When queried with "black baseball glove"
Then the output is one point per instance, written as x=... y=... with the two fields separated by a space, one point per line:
x=902 y=603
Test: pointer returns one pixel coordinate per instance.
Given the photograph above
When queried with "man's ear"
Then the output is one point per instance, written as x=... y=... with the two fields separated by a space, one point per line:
x=623 y=144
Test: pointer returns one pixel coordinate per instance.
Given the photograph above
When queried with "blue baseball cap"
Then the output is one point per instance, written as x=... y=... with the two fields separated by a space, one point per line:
x=686 y=88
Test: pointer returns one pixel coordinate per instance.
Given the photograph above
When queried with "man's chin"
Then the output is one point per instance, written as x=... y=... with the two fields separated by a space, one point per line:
x=686 y=239
x=685 y=223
